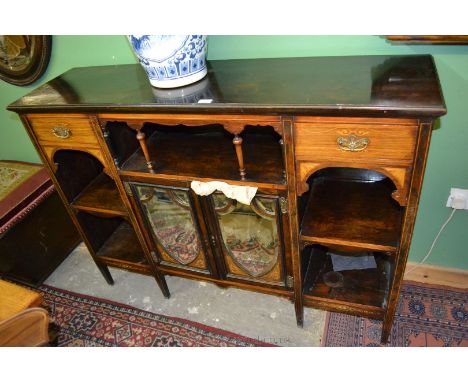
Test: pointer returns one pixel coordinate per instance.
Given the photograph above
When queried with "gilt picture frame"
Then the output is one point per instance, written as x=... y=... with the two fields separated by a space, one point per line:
x=24 y=58
x=429 y=39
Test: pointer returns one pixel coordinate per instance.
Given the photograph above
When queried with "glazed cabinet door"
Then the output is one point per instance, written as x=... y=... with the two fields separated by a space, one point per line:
x=172 y=217
x=249 y=241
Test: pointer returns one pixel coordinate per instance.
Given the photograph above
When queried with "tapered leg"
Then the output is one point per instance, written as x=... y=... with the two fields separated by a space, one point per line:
x=161 y=280
x=299 y=307
x=105 y=273
x=386 y=329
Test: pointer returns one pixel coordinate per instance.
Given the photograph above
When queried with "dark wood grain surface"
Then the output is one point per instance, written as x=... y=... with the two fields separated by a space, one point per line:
x=358 y=85
x=350 y=213
x=211 y=155
x=368 y=287
x=101 y=195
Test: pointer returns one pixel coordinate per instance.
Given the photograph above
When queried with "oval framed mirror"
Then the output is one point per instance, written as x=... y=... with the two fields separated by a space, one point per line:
x=24 y=58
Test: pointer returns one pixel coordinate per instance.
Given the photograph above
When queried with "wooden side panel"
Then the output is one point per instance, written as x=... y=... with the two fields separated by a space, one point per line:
x=424 y=138
x=288 y=138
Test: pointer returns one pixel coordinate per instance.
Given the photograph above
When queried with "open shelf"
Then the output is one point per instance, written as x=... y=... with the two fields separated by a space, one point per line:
x=208 y=153
x=101 y=196
x=358 y=291
x=123 y=250
x=354 y=214
x=75 y=171
x=113 y=241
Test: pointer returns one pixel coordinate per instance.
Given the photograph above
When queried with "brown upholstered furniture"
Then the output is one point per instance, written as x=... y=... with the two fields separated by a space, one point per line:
x=22 y=321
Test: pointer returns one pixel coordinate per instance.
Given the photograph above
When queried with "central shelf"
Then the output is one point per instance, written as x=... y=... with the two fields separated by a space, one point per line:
x=210 y=155
x=359 y=215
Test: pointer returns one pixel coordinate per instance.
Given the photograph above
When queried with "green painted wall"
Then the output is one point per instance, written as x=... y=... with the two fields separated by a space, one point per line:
x=448 y=158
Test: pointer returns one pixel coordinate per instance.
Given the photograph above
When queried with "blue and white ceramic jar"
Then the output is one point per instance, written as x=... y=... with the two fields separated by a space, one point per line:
x=171 y=60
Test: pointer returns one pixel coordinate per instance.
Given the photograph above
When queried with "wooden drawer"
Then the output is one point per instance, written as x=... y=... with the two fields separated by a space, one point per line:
x=388 y=141
x=63 y=130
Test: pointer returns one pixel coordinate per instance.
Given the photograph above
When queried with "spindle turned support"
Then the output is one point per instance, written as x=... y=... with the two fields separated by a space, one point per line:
x=141 y=139
x=138 y=126
x=237 y=140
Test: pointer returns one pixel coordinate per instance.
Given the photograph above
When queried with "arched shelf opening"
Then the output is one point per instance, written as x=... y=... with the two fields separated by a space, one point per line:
x=99 y=209
x=350 y=235
x=351 y=208
x=86 y=185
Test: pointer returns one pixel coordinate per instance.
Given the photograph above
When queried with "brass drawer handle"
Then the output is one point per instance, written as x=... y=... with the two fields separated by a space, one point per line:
x=352 y=143
x=62 y=132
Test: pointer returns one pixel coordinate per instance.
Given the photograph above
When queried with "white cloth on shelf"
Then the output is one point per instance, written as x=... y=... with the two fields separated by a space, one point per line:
x=243 y=194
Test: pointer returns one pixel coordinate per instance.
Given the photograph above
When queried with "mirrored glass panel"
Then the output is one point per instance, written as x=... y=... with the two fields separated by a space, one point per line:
x=169 y=213
x=249 y=232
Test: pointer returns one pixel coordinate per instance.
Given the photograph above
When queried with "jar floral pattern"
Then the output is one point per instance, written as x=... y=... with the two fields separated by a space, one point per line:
x=171 y=60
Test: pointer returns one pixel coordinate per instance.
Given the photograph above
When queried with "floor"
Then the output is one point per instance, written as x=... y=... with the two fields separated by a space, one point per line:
x=263 y=317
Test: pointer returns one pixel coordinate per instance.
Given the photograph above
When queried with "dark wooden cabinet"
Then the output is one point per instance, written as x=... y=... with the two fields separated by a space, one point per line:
x=336 y=146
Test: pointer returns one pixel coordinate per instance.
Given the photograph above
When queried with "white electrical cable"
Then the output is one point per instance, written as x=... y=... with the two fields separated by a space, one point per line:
x=433 y=243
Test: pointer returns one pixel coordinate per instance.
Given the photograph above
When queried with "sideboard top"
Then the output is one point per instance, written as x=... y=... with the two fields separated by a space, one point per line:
x=352 y=85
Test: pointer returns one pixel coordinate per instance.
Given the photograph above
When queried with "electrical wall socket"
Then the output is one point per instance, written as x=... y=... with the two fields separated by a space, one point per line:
x=458 y=199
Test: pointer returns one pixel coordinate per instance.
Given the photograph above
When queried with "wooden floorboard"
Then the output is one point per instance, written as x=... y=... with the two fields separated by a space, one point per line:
x=431 y=274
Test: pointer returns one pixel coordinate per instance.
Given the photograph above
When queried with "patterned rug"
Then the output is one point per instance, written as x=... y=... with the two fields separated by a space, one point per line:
x=427 y=315
x=88 y=321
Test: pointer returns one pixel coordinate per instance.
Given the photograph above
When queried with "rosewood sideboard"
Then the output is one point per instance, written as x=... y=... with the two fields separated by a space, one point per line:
x=336 y=146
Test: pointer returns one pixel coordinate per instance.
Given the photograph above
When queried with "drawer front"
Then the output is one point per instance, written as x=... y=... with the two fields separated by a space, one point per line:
x=63 y=131
x=331 y=141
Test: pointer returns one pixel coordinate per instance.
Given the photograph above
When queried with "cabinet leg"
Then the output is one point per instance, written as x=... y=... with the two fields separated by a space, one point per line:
x=105 y=273
x=161 y=280
x=240 y=156
x=386 y=329
x=299 y=307
x=385 y=335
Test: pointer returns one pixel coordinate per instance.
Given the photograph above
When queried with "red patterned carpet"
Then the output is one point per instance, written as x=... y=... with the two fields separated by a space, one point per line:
x=89 y=321
x=427 y=315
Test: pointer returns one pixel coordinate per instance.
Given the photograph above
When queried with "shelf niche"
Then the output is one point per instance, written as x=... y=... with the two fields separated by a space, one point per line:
x=361 y=290
x=351 y=209
x=207 y=151
x=114 y=241
x=86 y=186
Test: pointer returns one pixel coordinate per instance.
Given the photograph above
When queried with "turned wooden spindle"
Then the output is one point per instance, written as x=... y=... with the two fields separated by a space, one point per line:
x=138 y=126
x=240 y=157
x=141 y=138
